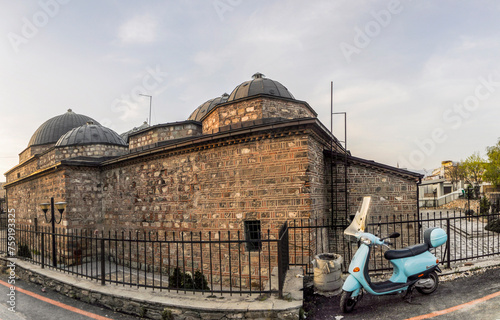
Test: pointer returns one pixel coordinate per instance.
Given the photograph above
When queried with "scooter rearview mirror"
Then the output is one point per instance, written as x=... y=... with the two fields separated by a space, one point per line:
x=394 y=235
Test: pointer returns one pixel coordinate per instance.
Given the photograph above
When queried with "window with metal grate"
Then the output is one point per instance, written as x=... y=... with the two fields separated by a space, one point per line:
x=253 y=235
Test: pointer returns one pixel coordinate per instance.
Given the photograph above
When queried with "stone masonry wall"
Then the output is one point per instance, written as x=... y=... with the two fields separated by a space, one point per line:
x=214 y=188
x=164 y=133
x=285 y=109
x=31 y=151
x=43 y=160
x=22 y=171
x=391 y=194
x=50 y=156
x=94 y=150
x=211 y=189
x=84 y=198
x=258 y=108
x=25 y=197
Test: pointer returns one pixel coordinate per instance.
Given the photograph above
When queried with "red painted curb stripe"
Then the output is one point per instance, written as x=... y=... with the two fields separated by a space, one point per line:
x=455 y=308
x=57 y=303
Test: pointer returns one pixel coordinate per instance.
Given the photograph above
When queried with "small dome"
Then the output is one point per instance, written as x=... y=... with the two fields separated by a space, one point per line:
x=51 y=130
x=202 y=110
x=260 y=85
x=125 y=135
x=90 y=133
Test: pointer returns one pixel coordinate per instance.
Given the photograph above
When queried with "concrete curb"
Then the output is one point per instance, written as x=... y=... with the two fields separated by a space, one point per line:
x=470 y=266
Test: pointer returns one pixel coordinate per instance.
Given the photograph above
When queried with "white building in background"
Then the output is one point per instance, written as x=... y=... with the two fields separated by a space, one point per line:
x=438 y=188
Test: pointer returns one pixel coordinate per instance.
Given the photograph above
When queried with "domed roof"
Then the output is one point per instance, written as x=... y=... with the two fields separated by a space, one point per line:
x=90 y=133
x=202 y=110
x=51 y=130
x=125 y=135
x=260 y=85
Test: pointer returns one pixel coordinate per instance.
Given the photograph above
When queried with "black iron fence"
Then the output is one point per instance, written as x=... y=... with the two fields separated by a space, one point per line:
x=224 y=262
x=209 y=262
x=467 y=238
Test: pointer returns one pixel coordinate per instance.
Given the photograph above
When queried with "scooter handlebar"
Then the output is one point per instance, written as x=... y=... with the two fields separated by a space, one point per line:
x=373 y=239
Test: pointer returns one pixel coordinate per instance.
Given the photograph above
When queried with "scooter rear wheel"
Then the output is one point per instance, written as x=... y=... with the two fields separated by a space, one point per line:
x=434 y=277
x=347 y=302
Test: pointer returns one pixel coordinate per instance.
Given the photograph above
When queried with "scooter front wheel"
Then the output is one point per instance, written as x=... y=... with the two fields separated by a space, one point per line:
x=428 y=290
x=347 y=301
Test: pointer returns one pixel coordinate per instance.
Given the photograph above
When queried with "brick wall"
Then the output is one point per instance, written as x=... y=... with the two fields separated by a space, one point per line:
x=214 y=188
x=391 y=194
x=31 y=151
x=84 y=198
x=254 y=109
x=94 y=150
x=164 y=132
x=26 y=197
x=394 y=198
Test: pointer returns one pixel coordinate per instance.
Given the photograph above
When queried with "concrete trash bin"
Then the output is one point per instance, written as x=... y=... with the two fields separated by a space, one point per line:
x=327 y=273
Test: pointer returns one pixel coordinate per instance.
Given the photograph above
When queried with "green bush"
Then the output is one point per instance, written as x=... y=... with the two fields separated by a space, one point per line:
x=184 y=280
x=24 y=251
x=200 y=281
x=484 y=206
x=493 y=225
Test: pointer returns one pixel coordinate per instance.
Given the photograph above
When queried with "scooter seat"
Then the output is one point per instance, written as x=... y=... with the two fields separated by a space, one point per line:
x=406 y=252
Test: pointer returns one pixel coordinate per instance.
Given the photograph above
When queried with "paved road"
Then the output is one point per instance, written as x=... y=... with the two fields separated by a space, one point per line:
x=32 y=303
x=476 y=297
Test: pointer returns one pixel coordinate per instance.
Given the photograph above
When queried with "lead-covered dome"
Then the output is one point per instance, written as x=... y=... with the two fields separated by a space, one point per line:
x=90 y=133
x=202 y=110
x=51 y=130
x=260 y=85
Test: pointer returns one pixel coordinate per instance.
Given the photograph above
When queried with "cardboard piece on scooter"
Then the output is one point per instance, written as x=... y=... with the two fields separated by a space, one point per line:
x=358 y=224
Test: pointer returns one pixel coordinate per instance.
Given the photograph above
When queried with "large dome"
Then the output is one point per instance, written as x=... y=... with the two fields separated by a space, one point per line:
x=260 y=85
x=90 y=134
x=202 y=110
x=51 y=130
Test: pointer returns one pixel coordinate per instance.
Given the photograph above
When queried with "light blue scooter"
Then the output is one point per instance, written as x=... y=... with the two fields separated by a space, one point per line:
x=414 y=266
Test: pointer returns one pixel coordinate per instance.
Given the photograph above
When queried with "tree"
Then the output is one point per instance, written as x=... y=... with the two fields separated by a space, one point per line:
x=474 y=169
x=492 y=167
x=454 y=173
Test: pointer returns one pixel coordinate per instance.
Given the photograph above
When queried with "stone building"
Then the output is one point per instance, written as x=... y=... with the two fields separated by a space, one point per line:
x=2 y=198
x=250 y=160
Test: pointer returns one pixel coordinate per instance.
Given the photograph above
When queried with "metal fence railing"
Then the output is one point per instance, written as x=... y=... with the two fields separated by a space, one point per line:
x=208 y=262
x=224 y=262
x=467 y=237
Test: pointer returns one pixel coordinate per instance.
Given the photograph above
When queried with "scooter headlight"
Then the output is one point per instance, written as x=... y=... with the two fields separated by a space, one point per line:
x=365 y=240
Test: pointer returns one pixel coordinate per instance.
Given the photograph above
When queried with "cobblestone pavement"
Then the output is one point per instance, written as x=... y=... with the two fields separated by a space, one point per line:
x=468 y=238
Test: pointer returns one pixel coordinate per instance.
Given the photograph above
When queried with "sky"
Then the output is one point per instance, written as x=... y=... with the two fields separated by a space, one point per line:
x=419 y=81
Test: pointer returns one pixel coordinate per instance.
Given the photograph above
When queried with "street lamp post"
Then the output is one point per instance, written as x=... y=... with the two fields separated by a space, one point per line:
x=435 y=193
x=150 y=102
x=345 y=155
x=60 y=206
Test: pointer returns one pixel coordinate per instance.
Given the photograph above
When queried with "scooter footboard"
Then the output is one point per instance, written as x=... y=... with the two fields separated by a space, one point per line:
x=351 y=284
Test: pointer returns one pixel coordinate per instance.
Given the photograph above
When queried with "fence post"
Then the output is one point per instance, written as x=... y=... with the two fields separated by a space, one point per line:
x=448 y=242
x=283 y=257
x=280 y=269
x=43 y=249
x=103 y=264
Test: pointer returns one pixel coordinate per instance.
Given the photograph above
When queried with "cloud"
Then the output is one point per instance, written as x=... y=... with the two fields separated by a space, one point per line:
x=140 y=29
